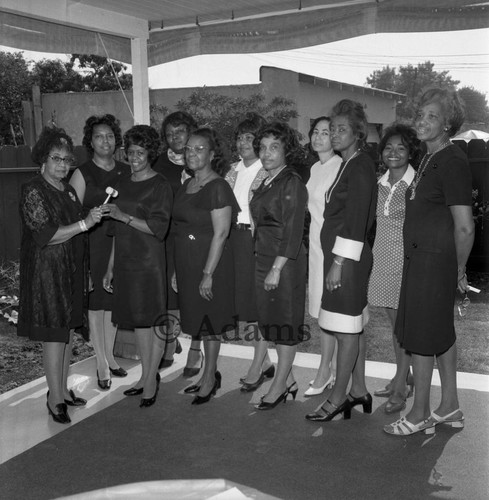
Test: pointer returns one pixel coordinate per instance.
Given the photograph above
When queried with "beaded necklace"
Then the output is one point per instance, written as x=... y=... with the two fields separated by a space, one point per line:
x=423 y=166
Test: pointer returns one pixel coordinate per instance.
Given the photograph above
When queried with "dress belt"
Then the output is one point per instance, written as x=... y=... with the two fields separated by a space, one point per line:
x=242 y=227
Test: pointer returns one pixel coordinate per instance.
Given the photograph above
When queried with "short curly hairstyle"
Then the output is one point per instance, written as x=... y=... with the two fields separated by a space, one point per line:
x=145 y=137
x=356 y=116
x=285 y=134
x=175 y=120
x=451 y=104
x=50 y=138
x=110 y=120
x=220 y=162
x=251 y=124
x=408 y=137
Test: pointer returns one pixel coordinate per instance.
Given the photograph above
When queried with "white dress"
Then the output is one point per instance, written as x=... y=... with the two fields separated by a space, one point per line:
x=322 y=177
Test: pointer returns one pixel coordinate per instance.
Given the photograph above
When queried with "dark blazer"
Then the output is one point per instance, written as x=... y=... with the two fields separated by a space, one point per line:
x=278 y=211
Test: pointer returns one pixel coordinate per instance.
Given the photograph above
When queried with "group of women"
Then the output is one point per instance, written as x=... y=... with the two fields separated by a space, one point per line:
x=223 y=242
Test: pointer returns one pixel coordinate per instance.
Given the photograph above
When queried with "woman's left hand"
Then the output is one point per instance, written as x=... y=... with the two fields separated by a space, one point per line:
x=272 y=280
x=205 y=287
x=113 y=211
x=463 y=284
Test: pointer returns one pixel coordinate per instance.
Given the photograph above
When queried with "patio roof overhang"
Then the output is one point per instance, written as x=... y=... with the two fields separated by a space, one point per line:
x=150 y=32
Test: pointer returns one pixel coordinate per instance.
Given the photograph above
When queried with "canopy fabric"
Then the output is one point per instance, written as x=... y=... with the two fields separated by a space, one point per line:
x=192 y=27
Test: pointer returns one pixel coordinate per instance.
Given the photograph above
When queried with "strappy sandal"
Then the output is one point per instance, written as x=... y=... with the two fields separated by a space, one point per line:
x=403 y=427
x=457 y=423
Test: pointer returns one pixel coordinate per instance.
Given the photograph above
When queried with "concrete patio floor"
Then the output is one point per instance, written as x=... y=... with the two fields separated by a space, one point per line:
x=113 y=442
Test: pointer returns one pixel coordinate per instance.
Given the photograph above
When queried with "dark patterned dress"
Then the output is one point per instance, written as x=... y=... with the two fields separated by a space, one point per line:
x=425 y=323
x=53 y=278
x=193 y=235
x=96 y=181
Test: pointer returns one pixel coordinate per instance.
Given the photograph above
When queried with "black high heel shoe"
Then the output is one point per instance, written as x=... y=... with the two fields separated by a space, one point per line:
x=263 y=405
x=269 y=373
x=245 y=387
x=325 y=416
x=75 y=400
x=104 y=384
x=145 y=402
x=200 y=400
x=365 y=401
x=133 y=391
x=166 y=363
x=190 y=372
x=118 y=372
x=61 y=416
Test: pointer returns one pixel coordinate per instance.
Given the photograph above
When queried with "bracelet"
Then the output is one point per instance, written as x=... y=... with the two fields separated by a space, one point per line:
x=83 y=226
x=337 y=262
x=206 y=272
x=460 y=279
x=277 y=268
x=131 y=218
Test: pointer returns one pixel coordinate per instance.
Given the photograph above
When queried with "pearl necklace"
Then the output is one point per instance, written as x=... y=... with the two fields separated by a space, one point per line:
x=338 y=175
x=423 y=166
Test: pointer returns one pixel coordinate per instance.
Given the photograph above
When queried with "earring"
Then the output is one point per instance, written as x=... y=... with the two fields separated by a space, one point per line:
x=446 y=129
x=42 y=170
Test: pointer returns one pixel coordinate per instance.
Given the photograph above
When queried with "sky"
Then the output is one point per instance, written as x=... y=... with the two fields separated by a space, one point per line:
x=465 y=54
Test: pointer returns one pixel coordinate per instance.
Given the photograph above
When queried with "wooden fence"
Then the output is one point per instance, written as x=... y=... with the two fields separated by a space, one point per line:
x=16 y=167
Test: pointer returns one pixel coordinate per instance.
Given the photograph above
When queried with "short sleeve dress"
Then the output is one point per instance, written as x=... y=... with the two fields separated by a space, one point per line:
x=96 y=181
x=385 y=281
x=425 y=323
x=278 y=209
x=53 y=278
x=139 y=259
x=348 y=217
x=320 y=180
x=193 y=232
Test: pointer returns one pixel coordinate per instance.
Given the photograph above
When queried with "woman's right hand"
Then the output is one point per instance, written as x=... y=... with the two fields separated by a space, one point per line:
x=107 y=281
x=93 y=217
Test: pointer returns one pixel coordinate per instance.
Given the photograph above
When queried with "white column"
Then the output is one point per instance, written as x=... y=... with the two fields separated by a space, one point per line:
x=139 y=56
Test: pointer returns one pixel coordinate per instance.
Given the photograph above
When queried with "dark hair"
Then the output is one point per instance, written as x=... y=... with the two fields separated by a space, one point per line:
x=50 y=138
x=356 y=116
x=315 y=122
x=220 y=162
x=175 y=120
x=452 y=105
x=252 y=124
x=110 y=120
x=286 y=135
x=144 y=136
x=408 y=137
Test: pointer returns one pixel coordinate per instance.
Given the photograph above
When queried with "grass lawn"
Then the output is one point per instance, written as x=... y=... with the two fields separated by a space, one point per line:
x=21 y=359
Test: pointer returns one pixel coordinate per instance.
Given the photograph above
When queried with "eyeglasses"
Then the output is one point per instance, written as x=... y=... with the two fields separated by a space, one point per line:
x=195 y=149
x=68 y=160
x=463 y=306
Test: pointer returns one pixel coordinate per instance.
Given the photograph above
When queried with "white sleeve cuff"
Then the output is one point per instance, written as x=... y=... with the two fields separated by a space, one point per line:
x=349 y=249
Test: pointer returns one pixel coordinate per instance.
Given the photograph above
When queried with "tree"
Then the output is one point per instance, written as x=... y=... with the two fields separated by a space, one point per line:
x=98 y=75
x=476 y=109
x=223 y=113
x=410 y=80
x=53 y=75
x=15 y=86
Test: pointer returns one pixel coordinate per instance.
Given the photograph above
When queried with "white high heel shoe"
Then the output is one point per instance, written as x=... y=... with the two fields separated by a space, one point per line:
x=314 y=392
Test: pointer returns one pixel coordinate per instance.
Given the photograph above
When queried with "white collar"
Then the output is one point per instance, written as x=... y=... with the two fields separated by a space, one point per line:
x=407 y=177
x=240 y=166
